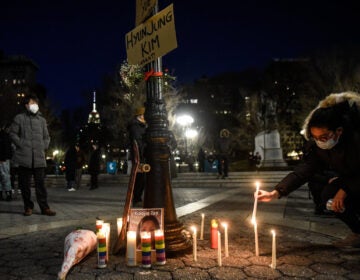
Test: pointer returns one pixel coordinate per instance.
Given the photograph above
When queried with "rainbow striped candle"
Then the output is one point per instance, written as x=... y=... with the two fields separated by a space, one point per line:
x=101 y=249
x=160 y=247
x=146 y=249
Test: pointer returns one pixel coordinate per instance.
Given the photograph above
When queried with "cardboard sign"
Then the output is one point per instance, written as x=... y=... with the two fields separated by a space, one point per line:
x=152 y=39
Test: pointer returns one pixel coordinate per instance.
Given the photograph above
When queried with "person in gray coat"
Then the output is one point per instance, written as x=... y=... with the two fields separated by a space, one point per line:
x=30 y=135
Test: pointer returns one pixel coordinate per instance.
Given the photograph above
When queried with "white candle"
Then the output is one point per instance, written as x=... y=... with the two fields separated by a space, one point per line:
x=194 y=243
x=219 y=249
x=131 y=248
x=226 y=241
x=273 y=259
x=256 y=239
x=202 y=227
x=255 y=202
x=106 y=227
x=119 y=225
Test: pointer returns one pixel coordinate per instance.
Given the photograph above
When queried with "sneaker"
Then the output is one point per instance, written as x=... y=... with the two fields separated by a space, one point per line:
x=28 y=212
x=71 y=190
x=352 y=240
x=48 y=212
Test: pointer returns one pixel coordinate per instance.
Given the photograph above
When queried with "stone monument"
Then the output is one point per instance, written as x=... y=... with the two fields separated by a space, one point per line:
x=267 y=142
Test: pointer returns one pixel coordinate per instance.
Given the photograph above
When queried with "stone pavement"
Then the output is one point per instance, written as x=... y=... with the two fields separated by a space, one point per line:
x=32 y=247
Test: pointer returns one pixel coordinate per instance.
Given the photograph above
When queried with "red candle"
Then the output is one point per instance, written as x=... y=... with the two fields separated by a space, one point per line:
x=214 y=234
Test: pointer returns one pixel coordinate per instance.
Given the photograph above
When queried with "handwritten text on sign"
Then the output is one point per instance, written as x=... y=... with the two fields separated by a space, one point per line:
x=152 y=39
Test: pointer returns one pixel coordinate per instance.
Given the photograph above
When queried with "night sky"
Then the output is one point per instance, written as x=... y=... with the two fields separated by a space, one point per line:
x=75 y=43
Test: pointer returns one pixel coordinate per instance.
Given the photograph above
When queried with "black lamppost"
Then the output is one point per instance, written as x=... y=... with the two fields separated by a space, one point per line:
x=158 y=191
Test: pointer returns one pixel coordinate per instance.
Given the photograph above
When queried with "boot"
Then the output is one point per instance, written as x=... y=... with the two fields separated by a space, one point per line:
x=8 y=196
x=1 y=195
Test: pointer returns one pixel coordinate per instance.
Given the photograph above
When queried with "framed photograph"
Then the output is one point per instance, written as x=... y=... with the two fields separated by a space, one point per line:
x=149 y=219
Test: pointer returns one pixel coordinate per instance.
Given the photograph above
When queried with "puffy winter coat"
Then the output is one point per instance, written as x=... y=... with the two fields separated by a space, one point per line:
x=30 y=135
x=343 y=159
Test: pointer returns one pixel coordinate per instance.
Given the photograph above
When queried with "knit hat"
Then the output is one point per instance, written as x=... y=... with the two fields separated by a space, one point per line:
x=140 y=111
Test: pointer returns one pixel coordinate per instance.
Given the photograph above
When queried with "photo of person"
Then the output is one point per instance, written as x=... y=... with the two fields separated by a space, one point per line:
x=150 y=224
x=146 y=220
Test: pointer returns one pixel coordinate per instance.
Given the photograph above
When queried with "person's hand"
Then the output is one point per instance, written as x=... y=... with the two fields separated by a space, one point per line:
x=267 y=196
x=338 y=201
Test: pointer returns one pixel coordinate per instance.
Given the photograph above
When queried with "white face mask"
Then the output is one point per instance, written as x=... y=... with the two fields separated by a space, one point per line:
x=33 y=108
x=327 y=145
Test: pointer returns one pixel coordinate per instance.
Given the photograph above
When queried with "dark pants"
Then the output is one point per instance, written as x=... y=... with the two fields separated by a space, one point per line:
x=24 y=177
x=223 y=166
x=94 y=180
x=70 y=177
x=351 y=215
x=139 y=187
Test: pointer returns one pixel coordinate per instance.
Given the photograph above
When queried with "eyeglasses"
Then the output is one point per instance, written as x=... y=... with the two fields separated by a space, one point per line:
x=324 y=137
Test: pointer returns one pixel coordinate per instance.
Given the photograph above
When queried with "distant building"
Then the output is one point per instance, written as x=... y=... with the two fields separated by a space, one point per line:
x=94 y=116
x=17 y=75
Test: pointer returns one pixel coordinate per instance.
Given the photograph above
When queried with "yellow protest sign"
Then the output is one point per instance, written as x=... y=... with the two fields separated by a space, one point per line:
x=143 y=10
x=152 y=39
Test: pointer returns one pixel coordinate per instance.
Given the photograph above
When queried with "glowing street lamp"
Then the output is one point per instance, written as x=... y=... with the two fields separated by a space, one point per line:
x=185 y=121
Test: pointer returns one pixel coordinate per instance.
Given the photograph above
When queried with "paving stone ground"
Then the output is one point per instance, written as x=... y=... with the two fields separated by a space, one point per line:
x=301 y=253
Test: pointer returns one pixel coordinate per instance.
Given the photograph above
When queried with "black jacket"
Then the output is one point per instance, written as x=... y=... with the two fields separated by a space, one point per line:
x=343 y=159
x=94 y=161
x=137 y=131
x=5 y=146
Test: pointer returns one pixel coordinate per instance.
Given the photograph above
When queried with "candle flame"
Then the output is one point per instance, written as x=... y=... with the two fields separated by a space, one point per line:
x=193 y=229
x=273 y=232
x=224 y=225
x=257 y=184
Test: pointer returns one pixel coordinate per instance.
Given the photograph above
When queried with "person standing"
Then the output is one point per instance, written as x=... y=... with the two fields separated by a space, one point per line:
x=5 y=156
x=137 y=129
x=257 y=159
x=80 y=161
x=223 y=153
x=70 y=165
x=201 y=160
x=30 y=135
x=94 y=166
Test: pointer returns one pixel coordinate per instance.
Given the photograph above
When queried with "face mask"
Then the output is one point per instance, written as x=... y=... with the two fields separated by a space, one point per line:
x=329 y=144
x=33 y=108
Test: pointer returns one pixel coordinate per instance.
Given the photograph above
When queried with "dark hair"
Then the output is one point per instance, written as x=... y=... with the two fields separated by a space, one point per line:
x=148 y=218
x=31 y=96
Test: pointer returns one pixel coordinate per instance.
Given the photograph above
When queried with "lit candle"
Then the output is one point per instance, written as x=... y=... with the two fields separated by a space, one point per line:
x=119 y=223
x=101 y=248
x=255 y=202
x=131 y=248
x=256 y=239
x=106 y=227
x=273 y=260
x=213 y=234
x=160 y=247
x=146 y=249
x=194 y=243
x=98 y=225
x=226 y=239
x=219 y=249
x=202 y=227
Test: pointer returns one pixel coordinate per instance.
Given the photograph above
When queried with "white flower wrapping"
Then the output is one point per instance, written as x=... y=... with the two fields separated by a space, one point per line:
x=78 y=244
